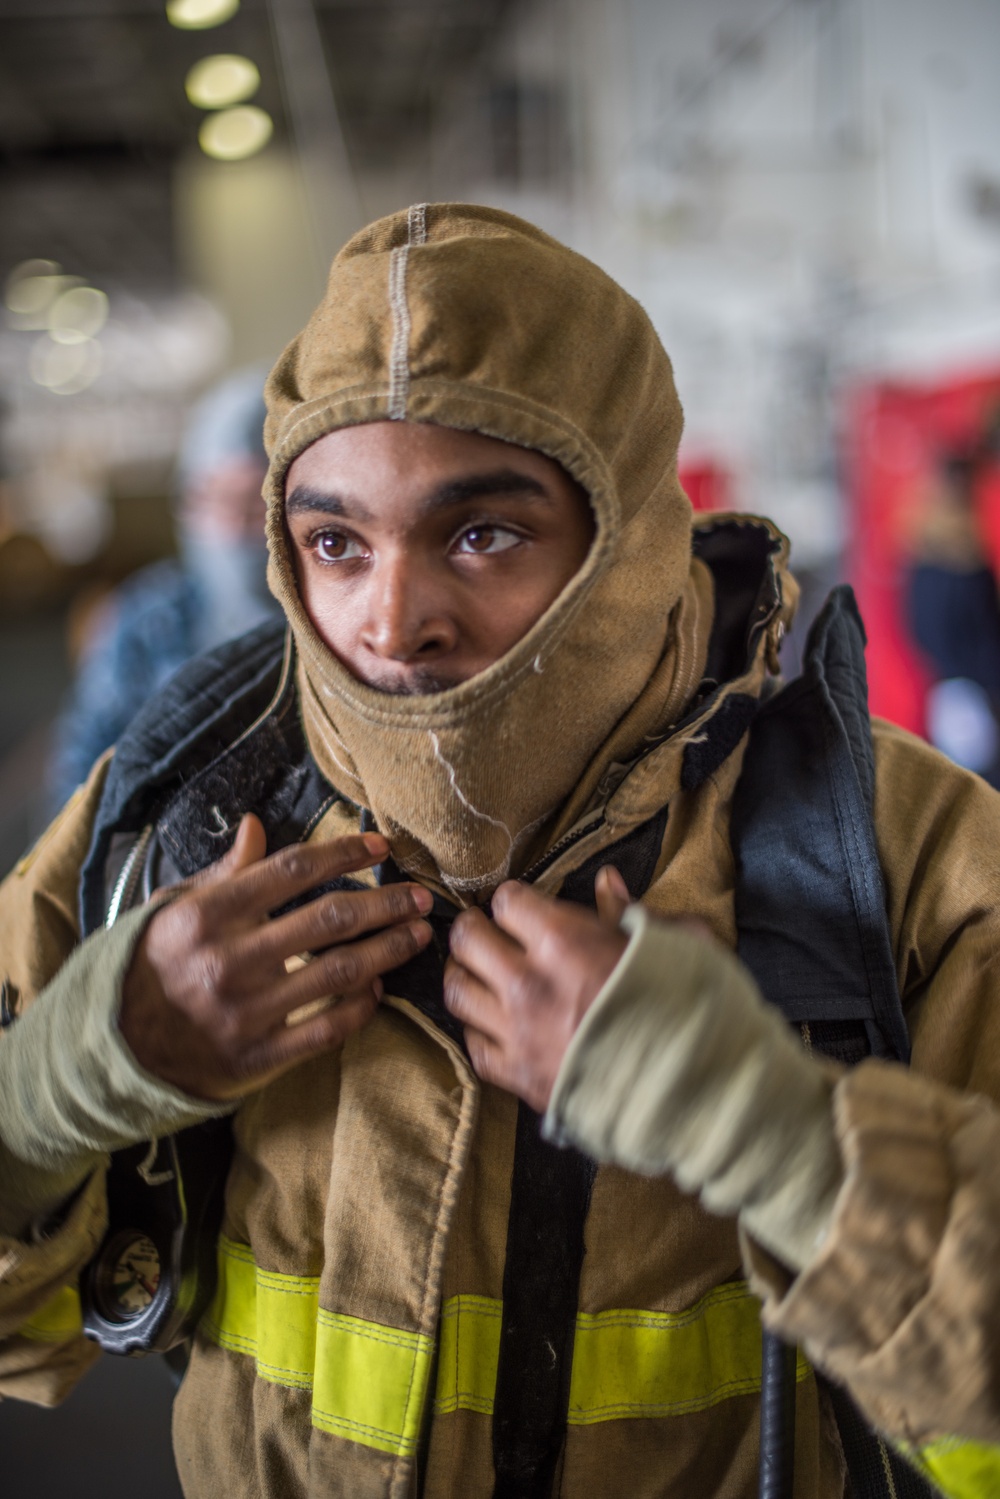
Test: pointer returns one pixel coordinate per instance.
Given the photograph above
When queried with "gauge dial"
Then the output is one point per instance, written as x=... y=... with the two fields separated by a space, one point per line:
x=132 y=1277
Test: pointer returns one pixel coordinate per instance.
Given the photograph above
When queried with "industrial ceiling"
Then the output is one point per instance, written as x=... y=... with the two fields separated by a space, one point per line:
x=93 y=112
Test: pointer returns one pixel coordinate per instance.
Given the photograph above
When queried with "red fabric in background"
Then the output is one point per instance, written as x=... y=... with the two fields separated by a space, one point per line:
x=893 y=436
x=706 y=484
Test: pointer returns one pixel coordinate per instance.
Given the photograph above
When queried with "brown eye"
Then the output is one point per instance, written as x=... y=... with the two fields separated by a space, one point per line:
x=334 y=546
x=480 y=540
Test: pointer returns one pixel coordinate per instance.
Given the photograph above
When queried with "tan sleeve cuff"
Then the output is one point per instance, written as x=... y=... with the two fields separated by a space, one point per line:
x=902 y=1301
x=70 y=1089
x=32 y=1273
x=680 y=1066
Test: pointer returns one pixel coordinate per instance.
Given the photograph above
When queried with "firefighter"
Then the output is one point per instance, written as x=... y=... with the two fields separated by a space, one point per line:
x=509 y=656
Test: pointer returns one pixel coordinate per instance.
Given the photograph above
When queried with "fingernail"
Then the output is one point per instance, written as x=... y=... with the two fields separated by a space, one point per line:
x=376 y=844
x=379 y=987
x=422 y=898
x=421 y=930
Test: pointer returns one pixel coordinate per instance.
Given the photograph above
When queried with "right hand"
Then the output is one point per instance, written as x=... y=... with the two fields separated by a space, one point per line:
x=207 y=995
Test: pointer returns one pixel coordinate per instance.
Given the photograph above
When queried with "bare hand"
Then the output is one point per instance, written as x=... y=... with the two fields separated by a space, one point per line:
x=522 y=983
x=207 y=997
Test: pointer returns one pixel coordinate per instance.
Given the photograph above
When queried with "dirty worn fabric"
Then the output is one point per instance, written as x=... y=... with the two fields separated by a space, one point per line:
x=363 y=1118
x=70 y=1089
x=903 y=1298
x=471 y=318
x=680 y=1066
x=302 y=1134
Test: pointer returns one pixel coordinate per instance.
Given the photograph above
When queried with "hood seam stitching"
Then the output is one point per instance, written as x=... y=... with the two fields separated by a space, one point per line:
x=399 y=307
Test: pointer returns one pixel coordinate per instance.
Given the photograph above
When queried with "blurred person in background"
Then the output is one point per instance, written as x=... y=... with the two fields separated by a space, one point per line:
x=162 y=616
x=954 y=614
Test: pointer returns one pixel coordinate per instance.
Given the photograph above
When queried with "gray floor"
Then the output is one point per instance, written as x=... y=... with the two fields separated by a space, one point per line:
x=109 y=1440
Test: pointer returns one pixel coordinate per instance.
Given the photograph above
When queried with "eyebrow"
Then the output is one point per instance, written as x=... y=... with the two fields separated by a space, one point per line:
x=305 y=499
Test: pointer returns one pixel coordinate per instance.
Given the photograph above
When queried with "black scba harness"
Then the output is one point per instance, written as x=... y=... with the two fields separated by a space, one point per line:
x=225 y=738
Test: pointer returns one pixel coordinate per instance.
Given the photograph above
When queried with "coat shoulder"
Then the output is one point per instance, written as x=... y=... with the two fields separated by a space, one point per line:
x=39 y=925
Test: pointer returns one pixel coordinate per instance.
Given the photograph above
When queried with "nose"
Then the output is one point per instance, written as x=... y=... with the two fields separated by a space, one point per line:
x=407 y=617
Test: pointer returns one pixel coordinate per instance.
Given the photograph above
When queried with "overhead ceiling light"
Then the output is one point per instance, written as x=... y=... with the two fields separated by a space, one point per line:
x=224 y=79
x=29 y=287
x=198 y=15
x=78 y=314
x=234 y=133
x=65 y=369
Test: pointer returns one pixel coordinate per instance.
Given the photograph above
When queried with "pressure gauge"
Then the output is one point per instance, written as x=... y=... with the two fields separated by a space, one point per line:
x=154 y=1273
x=128 y=1276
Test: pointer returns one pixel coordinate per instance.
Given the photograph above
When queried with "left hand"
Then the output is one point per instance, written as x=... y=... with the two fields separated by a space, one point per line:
x=522 y=983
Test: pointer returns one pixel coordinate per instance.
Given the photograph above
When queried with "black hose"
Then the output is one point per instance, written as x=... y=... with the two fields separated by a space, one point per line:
x=777 y=1419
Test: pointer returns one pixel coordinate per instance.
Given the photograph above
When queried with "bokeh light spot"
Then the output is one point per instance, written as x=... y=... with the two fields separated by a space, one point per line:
x=78 y=314
x=198 y=15
x=32 y=287
x=65 y=369
x=235 y=133
x=226 y=78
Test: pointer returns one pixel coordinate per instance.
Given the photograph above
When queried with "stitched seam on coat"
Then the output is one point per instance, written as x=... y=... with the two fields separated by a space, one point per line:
x=435 y=1259
x=415 y=1342
x=890 y=1482
x=341 y=1425
x=623 y=1410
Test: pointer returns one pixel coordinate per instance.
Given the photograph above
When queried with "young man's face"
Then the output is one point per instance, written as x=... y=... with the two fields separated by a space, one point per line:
x=424 y=553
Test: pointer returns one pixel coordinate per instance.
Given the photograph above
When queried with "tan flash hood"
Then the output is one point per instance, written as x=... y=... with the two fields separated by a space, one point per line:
x=471 y=318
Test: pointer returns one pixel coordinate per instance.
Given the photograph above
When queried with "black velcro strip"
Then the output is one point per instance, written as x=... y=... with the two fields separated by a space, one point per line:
x=707 y=750
x=550 y=1196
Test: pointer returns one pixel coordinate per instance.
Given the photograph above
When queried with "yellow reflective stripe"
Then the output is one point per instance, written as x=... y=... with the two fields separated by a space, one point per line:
x=961 y=1470
x=629 y=1364
x=269 y=1317
x=468 y=1354
x=626 y=1364
x=57 y=1321
x=368 y=1380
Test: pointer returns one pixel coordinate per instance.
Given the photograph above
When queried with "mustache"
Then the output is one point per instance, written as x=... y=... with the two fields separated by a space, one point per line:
x=420 y=681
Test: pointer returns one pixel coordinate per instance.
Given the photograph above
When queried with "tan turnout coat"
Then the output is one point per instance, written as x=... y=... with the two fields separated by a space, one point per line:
x=371 y=1189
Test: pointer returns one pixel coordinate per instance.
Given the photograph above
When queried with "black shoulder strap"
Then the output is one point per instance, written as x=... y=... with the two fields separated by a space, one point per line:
x=813 y=930
x=810 y=898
